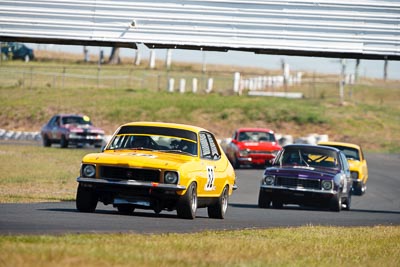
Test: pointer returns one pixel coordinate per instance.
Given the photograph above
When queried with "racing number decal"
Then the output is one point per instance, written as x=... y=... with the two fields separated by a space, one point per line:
x=210 y=179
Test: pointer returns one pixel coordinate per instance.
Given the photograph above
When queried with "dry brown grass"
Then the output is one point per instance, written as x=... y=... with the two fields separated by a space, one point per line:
x=302 y=246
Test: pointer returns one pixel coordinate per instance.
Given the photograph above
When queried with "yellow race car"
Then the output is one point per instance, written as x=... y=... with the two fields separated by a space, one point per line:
x=158 y=166
x=357 y=162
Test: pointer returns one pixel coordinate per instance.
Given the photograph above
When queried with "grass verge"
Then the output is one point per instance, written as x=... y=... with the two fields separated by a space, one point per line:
x=303 y=246
x=36 y=174
x=372 y=124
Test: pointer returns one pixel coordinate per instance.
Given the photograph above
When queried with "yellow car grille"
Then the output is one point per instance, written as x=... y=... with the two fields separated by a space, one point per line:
x=129 y=174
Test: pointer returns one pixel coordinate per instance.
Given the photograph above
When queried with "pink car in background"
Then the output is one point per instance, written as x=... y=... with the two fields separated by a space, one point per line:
x=71 y=129
x=252 y=146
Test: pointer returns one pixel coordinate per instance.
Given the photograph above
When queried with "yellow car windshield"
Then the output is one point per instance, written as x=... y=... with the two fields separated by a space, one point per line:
x=155 y=138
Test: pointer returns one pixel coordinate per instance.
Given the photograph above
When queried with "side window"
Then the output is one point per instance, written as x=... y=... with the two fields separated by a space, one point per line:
x=209 y=147
x=54 y=120
x=204 y=146
x=234 y=137
x=345 y=164
x=214 y=146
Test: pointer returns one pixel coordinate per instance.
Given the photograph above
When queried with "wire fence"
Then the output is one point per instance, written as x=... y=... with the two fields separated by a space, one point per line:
x=222 y=82
x=92 y=77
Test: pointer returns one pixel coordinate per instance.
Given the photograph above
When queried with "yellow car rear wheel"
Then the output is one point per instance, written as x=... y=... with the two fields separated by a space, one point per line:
x=218 y=210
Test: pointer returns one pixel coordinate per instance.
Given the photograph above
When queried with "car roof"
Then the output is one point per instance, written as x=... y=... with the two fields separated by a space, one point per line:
x=311 y=146
x=166 y=125
x=334 y=143
x=69 y=115
x=252 y=129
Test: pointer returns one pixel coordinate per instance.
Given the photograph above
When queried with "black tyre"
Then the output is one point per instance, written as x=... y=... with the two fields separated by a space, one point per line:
x=277 y=204
x=335 y=203
x=348 y=201
x=363 y=189
x=187 y=204
x=264 y=201
x=360 y=189
x=125 y=209
x=218 y=210
x=63 y=142
x=46 y=141
x=236 y=163
x=86 y=199
x=157 y=207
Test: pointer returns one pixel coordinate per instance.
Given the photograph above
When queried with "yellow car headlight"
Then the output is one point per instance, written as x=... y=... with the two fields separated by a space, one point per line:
x=354 y=175
x=88 y=171
x=171 y=177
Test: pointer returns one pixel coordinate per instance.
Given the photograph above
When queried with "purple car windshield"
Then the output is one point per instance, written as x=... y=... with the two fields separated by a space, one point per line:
x=309 y=157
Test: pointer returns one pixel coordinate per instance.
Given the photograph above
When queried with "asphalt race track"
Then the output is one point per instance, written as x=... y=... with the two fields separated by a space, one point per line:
x=379 y=206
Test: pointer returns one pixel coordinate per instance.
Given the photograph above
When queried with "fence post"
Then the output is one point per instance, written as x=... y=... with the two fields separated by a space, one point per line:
x=152 y=61
x=210 y=84
x=168 y=59
x=236 y=82
x=182 y=86
x=171 y=82
x=194 y=85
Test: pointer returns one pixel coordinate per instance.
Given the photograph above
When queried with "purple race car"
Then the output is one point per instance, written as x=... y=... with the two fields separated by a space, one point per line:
x=307 y=175
x=67 y=129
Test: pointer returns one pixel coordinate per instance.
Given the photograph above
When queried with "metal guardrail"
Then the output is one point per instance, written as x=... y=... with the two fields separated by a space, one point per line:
x=282 y=139
x=366 y=29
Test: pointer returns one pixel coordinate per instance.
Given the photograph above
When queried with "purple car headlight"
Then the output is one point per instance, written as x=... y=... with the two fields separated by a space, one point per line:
x=269 y=179
x=326 y=185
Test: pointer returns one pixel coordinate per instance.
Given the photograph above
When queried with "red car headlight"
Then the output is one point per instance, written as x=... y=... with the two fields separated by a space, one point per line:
x=244 y=152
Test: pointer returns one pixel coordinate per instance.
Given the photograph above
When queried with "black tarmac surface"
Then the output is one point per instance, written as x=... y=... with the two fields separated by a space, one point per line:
x=379 y=206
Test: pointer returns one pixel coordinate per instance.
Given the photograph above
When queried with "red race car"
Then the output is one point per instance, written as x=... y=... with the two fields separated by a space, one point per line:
x=252 y=146
x=71 y=129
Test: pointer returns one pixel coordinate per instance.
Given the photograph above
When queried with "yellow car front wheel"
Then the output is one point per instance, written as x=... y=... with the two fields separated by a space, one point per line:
x=187 y=204
x=86 y=199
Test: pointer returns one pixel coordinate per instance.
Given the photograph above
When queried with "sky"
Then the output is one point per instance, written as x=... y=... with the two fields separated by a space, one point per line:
x=367 y=68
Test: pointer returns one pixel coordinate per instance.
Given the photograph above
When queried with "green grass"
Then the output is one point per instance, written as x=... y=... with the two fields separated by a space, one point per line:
x=35 y=174
x=373 y=125
x=303 y=246
x=370 y=116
